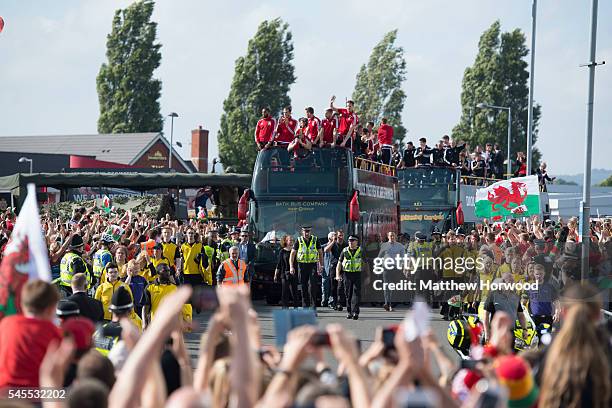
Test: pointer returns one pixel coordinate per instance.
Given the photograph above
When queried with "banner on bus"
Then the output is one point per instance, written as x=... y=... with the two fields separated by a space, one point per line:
x=516 y=197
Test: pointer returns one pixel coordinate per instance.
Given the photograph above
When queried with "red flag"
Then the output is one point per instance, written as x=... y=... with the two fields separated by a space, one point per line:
x=460 y=217
x=25 y=256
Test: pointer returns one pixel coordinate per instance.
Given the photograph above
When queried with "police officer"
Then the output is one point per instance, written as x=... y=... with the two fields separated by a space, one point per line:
x=307 y=251
x=349 y=269
x=102 y=257
x=72 y=263
x=66 y=309
x=228 y=242
x=109 y=333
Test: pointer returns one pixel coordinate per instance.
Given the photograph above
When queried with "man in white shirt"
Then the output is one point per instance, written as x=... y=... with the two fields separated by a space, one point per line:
x=390 y=249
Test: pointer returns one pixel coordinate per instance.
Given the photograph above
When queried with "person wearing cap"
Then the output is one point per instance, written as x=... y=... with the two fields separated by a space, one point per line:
x=72 y=263
x=228 y=242
x=515 y=375
x=66 y=309
x=349 y=270
x=153 y=262
x=156 y=291
x=105 y=292
x=122 y=306
x=102 y=257
x=232 y=271
x=309 y=256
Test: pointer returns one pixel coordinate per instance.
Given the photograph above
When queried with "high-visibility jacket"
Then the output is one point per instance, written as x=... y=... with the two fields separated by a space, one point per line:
x=207 y=271
x=224 y=247
x=169 y=251
x=67 y=269
x=104 y=344
x=453 y=252
x=307 y=253
x=100 y=259
x=351 y=263
x=190 y=253
x=105 y=292
x=234 y=276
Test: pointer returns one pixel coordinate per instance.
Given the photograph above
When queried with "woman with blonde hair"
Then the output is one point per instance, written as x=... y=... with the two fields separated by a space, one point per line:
x=577 y=367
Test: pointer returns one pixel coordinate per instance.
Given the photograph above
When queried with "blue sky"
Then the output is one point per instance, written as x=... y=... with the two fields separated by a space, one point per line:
x=50 y=54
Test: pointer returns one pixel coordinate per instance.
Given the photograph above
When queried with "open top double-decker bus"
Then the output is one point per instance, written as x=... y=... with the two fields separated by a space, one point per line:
x=327 y=189
x=428 y=198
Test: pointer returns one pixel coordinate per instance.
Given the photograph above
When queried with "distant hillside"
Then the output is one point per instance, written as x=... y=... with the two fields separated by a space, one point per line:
x=597 y=176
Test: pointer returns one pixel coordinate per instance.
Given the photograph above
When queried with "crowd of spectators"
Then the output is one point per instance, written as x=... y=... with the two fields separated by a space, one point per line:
x=148 y=363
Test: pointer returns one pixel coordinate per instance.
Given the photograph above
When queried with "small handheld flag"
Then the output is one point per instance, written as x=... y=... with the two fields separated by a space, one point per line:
x=106 y=204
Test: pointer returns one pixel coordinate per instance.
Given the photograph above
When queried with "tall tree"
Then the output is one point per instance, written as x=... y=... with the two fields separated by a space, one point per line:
x=261 y=78
x=127 y=92
x=498 y=77
x=378 y=91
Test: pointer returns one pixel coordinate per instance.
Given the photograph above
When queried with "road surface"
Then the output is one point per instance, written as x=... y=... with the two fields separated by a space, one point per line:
x=364 y=328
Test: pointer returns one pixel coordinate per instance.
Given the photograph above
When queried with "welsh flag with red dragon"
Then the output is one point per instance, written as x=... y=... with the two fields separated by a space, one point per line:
x=25 y=256
x=516 y=197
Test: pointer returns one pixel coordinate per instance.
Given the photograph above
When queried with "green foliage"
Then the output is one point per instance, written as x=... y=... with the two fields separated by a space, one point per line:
x=606 y=183
x=563 y=182
x=378 y=91
x=127 y=92
x=498 y=77
x=261 y=78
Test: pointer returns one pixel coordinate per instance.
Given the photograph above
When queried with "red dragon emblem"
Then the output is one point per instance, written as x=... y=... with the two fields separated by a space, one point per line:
x=504 y=197
x=13 y=275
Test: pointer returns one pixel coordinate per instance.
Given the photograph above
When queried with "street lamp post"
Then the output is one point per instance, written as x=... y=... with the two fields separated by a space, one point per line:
x=534 y=10
x=27 y=160
x=487 y=106
x=172 y=115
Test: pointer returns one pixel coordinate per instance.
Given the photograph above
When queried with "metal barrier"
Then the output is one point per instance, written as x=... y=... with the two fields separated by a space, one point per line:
x=369 y=165
x=478 y=181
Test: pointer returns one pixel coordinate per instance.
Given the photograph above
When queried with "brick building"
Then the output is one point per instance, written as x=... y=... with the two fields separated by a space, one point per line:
x=137 y=151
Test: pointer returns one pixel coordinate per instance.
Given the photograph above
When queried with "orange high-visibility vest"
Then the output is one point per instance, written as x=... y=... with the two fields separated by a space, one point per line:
x=232 y=276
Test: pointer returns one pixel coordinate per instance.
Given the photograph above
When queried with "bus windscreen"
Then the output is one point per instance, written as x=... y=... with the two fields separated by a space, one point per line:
x=427 y=187
x=286 y=217
x=323 y=171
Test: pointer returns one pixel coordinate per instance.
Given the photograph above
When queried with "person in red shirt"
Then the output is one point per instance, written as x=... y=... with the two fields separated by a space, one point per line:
x=385 y=138
x=301 y=145
x=24 y=338
x=264 y=131
x=285 y=130
x=348 y=123
x=328 y=131
x=314 y=124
